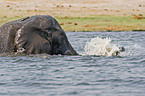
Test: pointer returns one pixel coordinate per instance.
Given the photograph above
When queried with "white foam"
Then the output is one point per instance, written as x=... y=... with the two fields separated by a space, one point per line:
x=134 y=49
x=99 y=46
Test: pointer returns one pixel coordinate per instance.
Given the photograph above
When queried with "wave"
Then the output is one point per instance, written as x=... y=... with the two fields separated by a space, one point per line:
x=99 y=46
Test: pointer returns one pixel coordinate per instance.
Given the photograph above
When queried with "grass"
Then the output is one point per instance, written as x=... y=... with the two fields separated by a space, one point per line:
x=101 y=23
x=4 y=19
x=78 y=15
x=93 y=23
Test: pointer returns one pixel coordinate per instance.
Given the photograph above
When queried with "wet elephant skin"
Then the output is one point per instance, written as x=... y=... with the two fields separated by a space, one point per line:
x=35 y=35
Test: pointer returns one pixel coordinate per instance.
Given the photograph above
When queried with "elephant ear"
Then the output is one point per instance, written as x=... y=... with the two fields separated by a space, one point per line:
x=34 y=37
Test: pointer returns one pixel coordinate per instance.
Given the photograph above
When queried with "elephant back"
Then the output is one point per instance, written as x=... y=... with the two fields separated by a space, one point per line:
x=7 y=34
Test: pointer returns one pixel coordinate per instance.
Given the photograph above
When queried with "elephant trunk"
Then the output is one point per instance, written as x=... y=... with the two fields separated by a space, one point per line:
x=68 y=49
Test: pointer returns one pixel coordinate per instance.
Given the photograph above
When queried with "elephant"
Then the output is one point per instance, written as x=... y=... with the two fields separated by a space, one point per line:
x=35 y=35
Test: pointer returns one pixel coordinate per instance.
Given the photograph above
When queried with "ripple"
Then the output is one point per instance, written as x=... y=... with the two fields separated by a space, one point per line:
x=71 y=68
x=76 y=75
x=72 y=93
x=3 y=83
x=56 y=71
x=142 y=61
x=95 y=65
x=83 y=83
x=35 y=84
x=3 y=74
x=25 y=60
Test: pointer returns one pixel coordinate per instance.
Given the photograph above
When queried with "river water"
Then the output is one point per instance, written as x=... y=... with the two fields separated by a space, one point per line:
x=83 y=75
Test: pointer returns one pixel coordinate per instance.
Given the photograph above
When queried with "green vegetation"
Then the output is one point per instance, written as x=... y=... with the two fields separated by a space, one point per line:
x=94 y=23
x=101 y=23
x=80 y=15
x=4 y=19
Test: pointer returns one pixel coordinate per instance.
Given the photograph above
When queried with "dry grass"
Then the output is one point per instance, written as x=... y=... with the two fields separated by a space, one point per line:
x=15 y=9
x=74 y=7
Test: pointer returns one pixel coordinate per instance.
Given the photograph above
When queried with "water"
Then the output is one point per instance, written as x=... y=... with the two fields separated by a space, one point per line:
x=100 y=46
x=83 y=75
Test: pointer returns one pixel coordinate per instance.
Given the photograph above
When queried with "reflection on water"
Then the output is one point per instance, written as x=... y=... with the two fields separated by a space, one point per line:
x=82 y=75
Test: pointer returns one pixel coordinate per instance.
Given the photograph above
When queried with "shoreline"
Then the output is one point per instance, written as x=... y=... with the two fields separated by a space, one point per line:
x=98 y=23
x=101 y=23
x=80 y=15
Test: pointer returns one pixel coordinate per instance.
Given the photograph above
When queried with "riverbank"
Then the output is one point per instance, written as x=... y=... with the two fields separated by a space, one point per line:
x=80 y=15
x=102 y=23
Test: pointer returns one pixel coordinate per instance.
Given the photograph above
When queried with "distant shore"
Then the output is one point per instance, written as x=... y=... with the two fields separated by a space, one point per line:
x=80 y=15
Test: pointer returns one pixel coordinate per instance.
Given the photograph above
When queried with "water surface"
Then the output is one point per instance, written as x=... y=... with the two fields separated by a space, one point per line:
x=83 y=75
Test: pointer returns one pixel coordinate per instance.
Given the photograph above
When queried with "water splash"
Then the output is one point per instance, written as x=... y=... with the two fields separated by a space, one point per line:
x=135 y=49
x=99 y=46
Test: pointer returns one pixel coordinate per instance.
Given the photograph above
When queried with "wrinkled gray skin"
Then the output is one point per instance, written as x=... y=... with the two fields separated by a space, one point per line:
x=35 y=35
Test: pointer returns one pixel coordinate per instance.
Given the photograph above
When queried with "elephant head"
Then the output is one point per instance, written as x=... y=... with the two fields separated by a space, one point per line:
x=40 y=34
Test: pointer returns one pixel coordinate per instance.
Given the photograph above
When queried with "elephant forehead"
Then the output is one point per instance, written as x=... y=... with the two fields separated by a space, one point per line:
x=41 y=21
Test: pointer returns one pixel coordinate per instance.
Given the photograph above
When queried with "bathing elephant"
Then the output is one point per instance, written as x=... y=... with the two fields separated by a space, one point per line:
x=35 y=35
